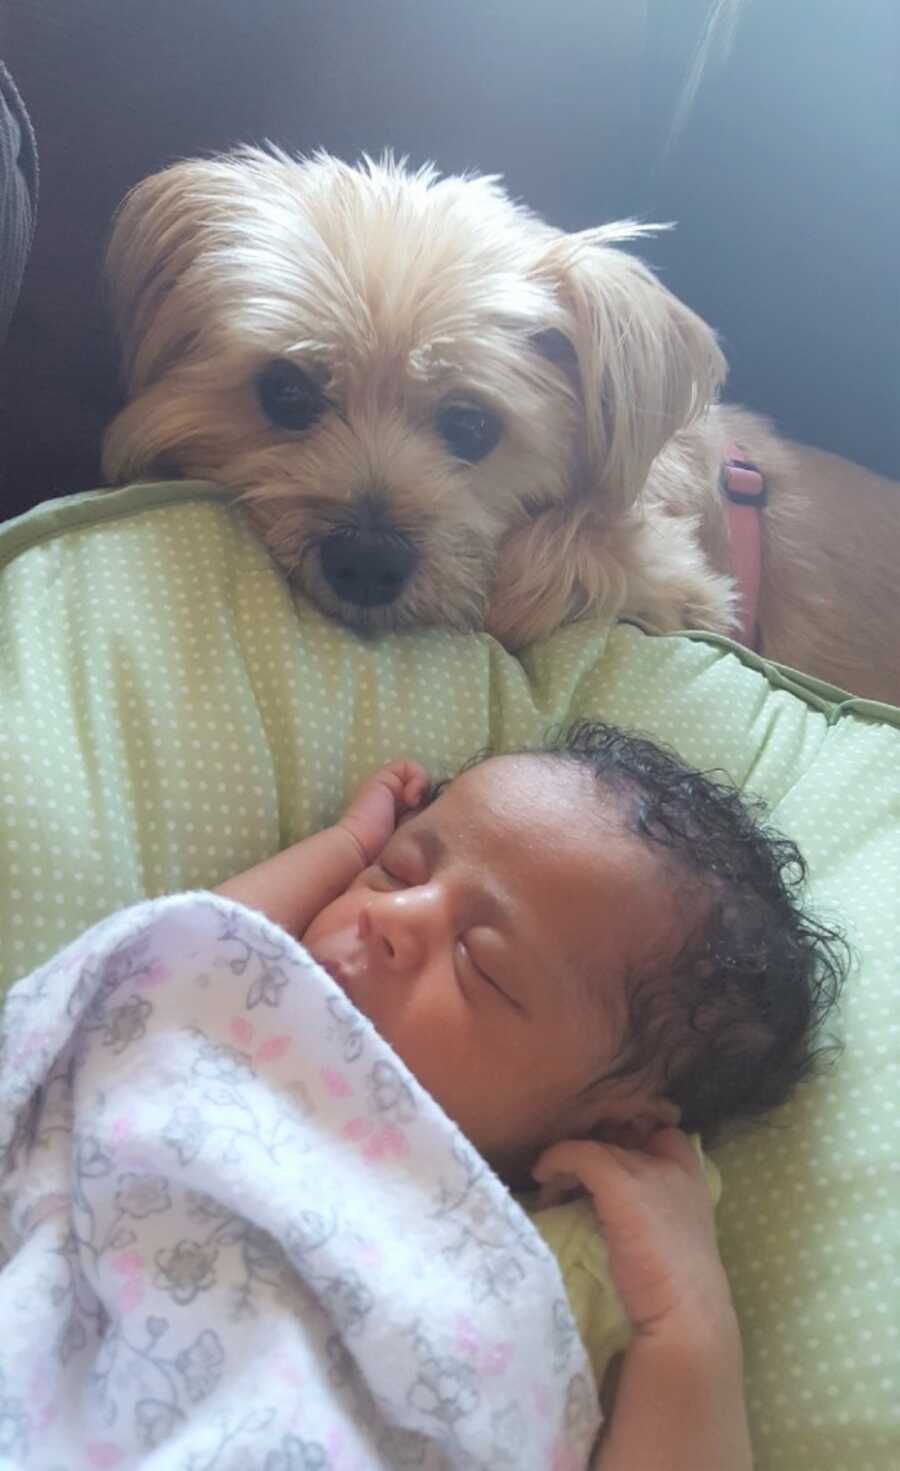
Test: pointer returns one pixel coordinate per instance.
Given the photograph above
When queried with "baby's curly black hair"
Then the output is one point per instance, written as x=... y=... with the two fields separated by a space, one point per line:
x=734 y=1019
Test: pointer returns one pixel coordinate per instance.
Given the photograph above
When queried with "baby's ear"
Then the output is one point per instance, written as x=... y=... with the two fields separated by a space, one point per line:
x=630 y=1133
x=632 y=1129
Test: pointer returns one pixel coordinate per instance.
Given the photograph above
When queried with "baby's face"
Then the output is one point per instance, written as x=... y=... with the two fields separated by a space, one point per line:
x=490 y=945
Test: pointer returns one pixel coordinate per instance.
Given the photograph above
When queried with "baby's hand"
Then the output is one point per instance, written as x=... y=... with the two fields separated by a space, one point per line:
x=381 y=801
x=657 y=1216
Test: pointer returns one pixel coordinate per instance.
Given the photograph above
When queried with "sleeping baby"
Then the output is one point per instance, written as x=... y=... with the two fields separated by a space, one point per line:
x=258 y=1148
x=584 y=953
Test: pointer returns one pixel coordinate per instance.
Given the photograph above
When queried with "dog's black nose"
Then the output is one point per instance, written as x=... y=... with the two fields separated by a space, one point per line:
x=367 y=566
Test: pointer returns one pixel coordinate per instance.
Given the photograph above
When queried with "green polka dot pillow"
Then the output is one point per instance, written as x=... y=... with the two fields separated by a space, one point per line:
x=169 y=715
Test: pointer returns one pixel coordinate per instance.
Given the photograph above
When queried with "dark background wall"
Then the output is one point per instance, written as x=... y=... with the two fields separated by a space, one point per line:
x=786 y=187
x=785 y=181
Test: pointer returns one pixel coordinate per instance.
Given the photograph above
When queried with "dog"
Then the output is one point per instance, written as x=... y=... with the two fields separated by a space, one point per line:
x=441 y=410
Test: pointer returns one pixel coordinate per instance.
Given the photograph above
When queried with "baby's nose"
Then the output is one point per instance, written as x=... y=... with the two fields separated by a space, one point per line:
x=402 y=927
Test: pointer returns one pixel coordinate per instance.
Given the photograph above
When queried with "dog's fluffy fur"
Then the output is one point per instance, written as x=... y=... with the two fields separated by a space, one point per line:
x=400 y=293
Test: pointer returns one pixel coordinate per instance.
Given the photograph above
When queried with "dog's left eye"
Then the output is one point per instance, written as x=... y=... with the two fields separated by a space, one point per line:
x=470 y=430
x=288 y=396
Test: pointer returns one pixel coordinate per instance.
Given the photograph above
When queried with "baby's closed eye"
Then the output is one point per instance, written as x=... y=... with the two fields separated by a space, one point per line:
x=401 y=864
x=479 y=957
x=384 y=876
x=380 y=879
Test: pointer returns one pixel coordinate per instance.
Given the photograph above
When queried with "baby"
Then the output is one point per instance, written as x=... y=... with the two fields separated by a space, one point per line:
x=581 y=952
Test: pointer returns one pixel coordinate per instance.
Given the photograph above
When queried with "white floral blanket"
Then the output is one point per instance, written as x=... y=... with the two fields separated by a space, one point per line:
x=238 y=1236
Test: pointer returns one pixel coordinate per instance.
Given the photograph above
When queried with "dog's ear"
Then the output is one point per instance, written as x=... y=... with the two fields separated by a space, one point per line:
x=157 y=233
x=645 y=365
x=170 y=236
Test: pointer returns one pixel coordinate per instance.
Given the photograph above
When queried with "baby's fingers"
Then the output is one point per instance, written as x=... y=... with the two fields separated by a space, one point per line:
x=415 y=783
x=406 y=780
x=674 y=1144
x=589 y=1164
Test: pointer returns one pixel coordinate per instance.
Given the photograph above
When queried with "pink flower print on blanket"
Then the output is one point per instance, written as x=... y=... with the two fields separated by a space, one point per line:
x=392 y=1108
x=103 y=1455
x=487 y=1356
x=336 y=1082
x=129 y=1269
x=271 y=1050
x=377 y=1142
x=156 y=973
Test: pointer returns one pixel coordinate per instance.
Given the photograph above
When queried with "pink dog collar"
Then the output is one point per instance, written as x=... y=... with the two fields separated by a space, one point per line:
x=744 y=487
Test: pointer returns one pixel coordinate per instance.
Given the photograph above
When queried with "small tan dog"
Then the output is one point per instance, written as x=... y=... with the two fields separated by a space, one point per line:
x=444 y=411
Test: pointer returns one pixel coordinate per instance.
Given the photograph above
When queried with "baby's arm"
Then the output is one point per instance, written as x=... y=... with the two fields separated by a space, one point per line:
x=292 y=887
x=679 y=1402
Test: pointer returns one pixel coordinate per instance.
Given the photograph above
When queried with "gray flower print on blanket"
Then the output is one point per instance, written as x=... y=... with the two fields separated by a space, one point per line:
x=346 y=1299
x=254 y=1257
x=186 y=1132
x=135 y=1353
x=185 y=1270
x=92 y=1161
x=389 y=1095
x=488 y=1235
x=224 y=1124
x=307 y=1232
x=80 y=1313
x=564 y=1334
x=406 y=1450
x=237 y=1435
x=262 y=958
x=295 y=1454
x=348 y=1026
x=200 y=1366
x=580 y=1402
x=142 y=1195
x=220 y=1062
x=125 y=1024
x=446 y=1388
x=101 y=976
x=154 y=1421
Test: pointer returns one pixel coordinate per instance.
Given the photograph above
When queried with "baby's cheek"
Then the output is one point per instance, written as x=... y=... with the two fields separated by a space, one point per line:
x=340 y=916
x=320 y=926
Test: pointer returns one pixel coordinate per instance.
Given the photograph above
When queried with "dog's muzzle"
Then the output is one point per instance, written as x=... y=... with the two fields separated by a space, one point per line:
x=367 y=566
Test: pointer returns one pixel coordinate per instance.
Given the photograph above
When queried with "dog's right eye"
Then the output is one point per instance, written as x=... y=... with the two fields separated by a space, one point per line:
x=288 y=396
x=469 y=430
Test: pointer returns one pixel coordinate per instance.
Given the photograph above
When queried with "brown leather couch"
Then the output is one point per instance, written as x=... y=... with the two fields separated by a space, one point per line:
x=784 y=181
